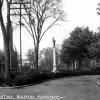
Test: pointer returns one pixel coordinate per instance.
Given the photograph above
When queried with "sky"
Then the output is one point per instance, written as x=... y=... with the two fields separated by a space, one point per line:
x=78 y=13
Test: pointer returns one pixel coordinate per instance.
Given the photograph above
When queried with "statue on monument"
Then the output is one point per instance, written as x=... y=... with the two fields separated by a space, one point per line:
x=54 y=42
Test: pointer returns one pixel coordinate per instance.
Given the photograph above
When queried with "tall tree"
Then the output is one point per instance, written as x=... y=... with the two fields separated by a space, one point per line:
x=6 y=29
x=40 y=13
x=76 y=46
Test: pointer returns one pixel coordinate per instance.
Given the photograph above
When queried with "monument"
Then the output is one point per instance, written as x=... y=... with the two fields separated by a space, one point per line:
x=54 y=55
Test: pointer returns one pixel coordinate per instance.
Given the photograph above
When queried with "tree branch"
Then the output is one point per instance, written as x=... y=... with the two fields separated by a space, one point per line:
x=48 y=28
x=30 y=21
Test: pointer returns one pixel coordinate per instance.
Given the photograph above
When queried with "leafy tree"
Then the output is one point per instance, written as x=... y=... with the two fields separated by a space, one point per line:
x=31 y=57
x=48 y=56
x=46 y=59
x=76 y=46
x=41 y=12
x=14 y=64
x=94 y=48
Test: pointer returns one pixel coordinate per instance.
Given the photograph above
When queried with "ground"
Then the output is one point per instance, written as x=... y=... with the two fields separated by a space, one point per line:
x=69 y=88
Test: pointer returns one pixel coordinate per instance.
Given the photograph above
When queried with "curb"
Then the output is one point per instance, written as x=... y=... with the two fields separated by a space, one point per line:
x=22 y=86
x=36 y=83
x=13 y=87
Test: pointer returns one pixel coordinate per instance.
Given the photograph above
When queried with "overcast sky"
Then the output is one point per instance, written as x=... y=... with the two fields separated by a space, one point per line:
x=78 y=13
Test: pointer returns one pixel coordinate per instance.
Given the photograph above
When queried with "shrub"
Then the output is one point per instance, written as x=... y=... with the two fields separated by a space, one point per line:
x=29 y=78
x=2 y=77
x=22 y=79
x=13 y=74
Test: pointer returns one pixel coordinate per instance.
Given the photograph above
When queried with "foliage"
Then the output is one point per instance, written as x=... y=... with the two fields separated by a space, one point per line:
x=94 y=48
x=22 y=79
x=31 y=57
x=76 y=47
x=46 y=59
x=31 y=77
x=14 y=63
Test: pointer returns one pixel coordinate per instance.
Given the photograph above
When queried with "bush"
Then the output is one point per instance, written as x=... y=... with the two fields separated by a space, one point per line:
x=2 y=78
x=13 y=74
x=22 y=80
x=29 y=78
x=76 y=73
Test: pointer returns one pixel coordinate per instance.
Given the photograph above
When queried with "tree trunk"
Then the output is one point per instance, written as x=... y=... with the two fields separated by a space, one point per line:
x=5 y=32
x=6 y=46
x=7 y=60
x=36 y=53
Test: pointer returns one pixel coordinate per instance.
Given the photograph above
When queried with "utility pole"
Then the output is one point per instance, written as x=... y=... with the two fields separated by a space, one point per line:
x=19 y=7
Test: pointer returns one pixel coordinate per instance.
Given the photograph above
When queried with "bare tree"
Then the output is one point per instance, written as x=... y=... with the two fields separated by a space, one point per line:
x=41 y=11
x=6 y=30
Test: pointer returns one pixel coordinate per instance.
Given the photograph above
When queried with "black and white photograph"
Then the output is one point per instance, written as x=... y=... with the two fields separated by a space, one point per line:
x=49 y=49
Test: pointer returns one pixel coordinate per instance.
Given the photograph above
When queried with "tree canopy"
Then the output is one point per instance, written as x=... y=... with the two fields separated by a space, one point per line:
x=82 y=43
x=75 y=47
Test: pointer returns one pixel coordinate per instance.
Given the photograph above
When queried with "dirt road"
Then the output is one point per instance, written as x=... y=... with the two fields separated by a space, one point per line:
x=71 y=88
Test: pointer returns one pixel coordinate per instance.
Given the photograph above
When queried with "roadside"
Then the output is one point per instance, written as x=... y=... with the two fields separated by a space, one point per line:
x=70 y=88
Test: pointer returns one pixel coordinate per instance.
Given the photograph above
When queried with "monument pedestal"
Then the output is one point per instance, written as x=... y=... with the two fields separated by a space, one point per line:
x=54 y=69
